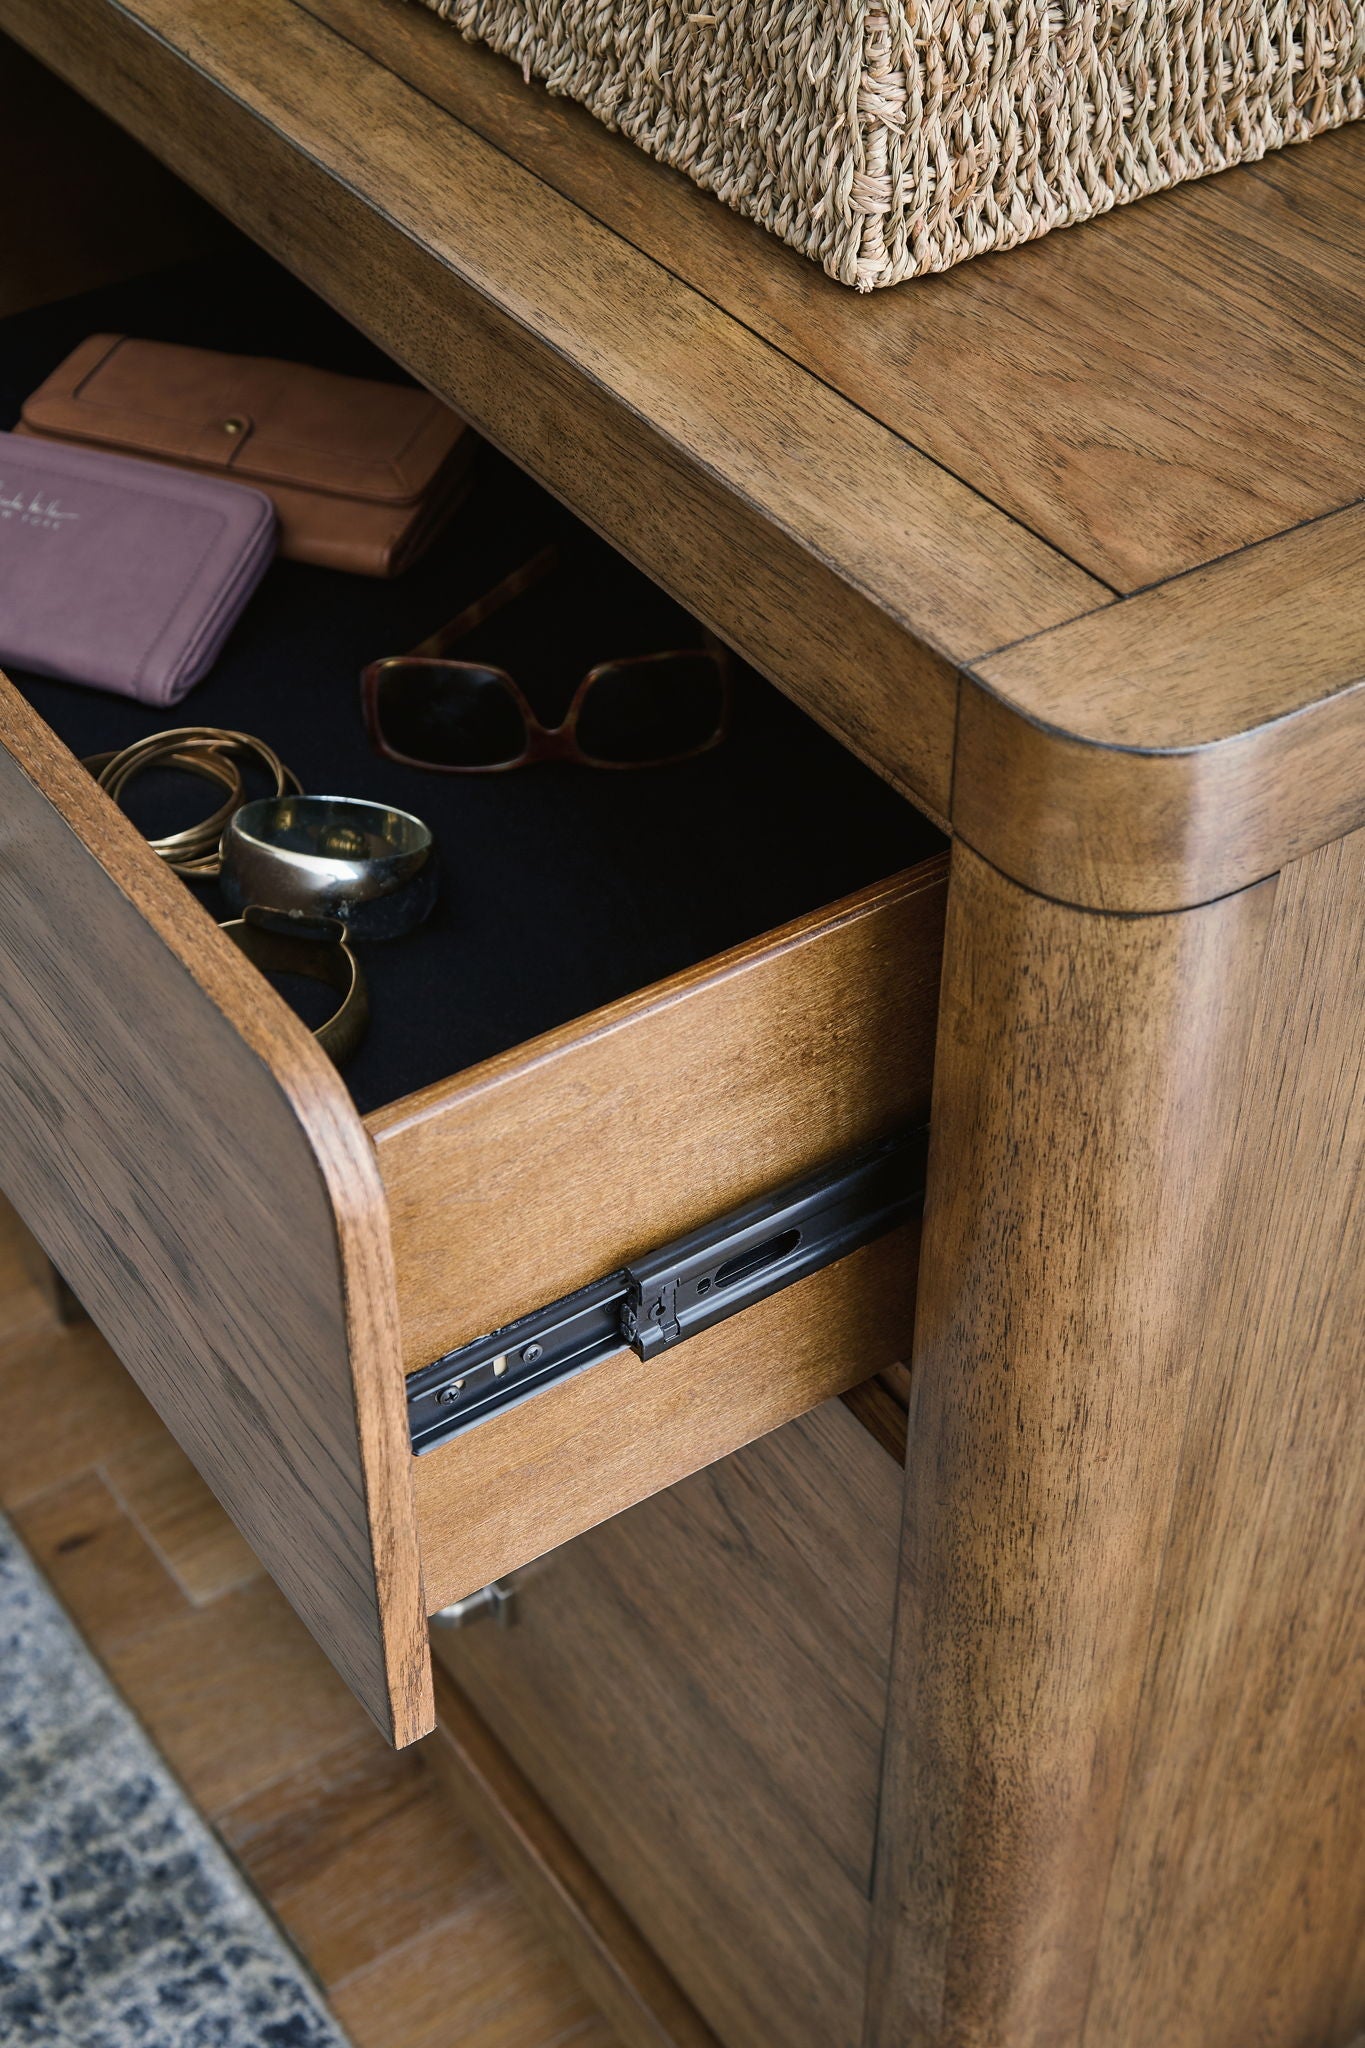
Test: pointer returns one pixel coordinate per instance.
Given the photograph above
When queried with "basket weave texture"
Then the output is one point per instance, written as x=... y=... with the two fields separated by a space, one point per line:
x=886 y=140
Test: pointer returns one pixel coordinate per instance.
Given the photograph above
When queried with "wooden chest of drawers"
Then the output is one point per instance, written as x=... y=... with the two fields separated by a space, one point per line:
x=1101 y=620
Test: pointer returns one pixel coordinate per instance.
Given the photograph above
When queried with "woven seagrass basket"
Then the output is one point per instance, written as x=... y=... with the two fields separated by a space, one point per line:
x=888 y=139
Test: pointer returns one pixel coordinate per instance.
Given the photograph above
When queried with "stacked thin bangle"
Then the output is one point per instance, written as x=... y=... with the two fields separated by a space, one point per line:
x=211 y=752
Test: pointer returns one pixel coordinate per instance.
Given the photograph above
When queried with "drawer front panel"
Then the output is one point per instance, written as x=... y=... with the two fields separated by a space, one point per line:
x=192 y=1164
x=697 y=1691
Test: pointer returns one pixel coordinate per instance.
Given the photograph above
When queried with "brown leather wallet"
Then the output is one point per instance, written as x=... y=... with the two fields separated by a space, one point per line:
x=362 y=474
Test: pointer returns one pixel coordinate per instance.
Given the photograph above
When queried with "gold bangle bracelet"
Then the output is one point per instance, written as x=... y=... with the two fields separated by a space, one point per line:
x=290 y=942
x=185 y=850
x=201 y=749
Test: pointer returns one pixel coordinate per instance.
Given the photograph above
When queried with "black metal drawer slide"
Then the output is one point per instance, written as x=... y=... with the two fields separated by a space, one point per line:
x=696 y=1281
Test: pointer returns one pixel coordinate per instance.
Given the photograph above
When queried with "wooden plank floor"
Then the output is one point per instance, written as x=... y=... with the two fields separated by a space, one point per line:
x=415 y=1935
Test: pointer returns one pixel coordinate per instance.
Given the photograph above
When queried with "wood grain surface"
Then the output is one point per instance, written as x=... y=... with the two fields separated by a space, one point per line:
x=698 y=1690
x=355 y=1848
x=549 y=1166
x=1085 y=1103
x=1124 y=1785
x=864 y=499
x=535 y=1475
x=173 y=1511
x=618 y=1970
x=552 y=1165
x=184 y=1152
x=1175 y=381
x=1218 y=727
x=843 y=562
x=58 y=1300
x=881 y=1404
x=27 y=1304
x=1236 y=1912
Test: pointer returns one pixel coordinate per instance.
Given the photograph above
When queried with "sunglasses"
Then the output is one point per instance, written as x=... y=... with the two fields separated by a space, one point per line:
x=427 y=710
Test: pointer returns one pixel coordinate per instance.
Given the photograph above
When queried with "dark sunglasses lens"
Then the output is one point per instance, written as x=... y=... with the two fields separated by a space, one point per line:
x=658 y=709
x=449 y=714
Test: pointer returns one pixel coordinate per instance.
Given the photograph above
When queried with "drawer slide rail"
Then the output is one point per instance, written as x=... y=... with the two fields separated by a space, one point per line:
x=658 y=1302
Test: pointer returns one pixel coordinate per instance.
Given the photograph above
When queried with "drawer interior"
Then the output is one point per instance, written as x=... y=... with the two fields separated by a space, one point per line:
x=563 y=888
x=644 y=999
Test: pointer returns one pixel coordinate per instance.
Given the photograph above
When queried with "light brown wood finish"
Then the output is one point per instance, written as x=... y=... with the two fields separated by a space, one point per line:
x=553 y=1164
x=40 y=1442
x=1083 y=1111
x=697 y=1690
x=623 y=1977
x=1102 y=1109
x=1236 y=1912
x=509 y=1187
x=485 y=1972
x=355 y=1849
x=762 y=487
x=1124 y=1741
x=1175 y=381
x=843 y=562
x=1217 y=722
x=536 y=1475
x=359 y=1852
x=168 y=1503
x=557 y=1163
x=185 y=1153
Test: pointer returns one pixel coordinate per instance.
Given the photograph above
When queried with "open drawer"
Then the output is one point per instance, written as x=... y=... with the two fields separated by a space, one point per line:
x=267 y=1264
x=272 y=1249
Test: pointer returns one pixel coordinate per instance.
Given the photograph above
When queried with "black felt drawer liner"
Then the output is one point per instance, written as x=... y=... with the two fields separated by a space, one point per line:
x=564 y=888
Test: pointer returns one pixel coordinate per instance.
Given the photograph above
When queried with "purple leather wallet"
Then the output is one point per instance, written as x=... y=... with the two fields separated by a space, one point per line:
x=125 y=575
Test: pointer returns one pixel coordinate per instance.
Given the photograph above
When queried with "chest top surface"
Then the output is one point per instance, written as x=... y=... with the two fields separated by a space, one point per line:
x=1067 y=542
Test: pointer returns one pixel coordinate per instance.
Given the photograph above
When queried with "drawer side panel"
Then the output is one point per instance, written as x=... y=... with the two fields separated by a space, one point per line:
x=532 y=1477
x=548 y=1167
x=551 y=1167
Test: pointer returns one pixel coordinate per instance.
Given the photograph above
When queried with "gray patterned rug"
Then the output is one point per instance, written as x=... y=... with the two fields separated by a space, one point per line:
x=122 y=1922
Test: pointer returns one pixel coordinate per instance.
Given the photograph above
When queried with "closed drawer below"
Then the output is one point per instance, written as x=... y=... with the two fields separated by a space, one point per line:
x=697 y=1692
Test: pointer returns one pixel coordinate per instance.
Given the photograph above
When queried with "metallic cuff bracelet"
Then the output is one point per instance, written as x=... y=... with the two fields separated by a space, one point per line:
x=287 y=942
x=207 y=750
x=366 y=864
